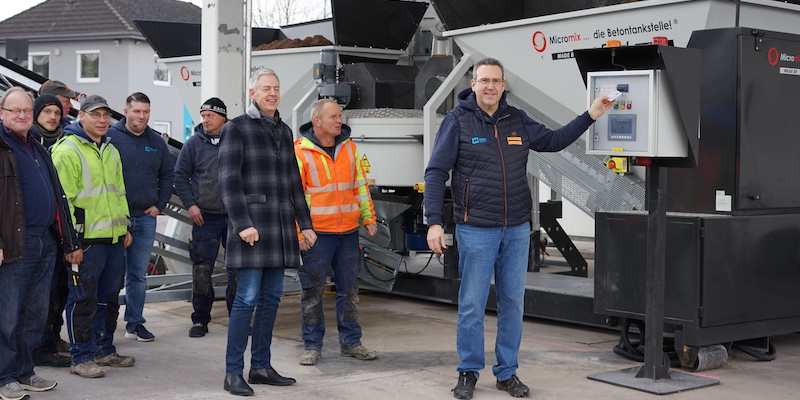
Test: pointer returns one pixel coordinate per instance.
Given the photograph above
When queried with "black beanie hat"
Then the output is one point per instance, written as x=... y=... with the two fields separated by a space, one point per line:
x=216 y=105
x=43 y=101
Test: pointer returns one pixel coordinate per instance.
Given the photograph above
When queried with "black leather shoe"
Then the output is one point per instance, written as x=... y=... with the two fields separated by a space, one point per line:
x=513 y=386
x=465 y=386
x=269 y=376
x=235 y=384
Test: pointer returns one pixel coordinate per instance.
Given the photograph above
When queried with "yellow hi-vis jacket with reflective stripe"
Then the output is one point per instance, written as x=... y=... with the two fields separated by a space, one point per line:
x=93 y=182
x=336 y=190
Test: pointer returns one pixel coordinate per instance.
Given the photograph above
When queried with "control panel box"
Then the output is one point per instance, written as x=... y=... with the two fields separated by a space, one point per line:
x=644 y=121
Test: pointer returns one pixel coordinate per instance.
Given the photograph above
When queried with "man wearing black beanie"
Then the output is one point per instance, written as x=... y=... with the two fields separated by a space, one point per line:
x=198 y=187
x=47 y=114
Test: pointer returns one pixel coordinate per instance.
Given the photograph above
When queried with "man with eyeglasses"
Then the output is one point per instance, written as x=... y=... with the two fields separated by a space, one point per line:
x=33 y=223
x=149 y=174
x=90 y=170
x=485 y=142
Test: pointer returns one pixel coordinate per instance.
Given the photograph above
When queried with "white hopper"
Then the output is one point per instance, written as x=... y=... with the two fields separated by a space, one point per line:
x=537 y=52
x=293 y=66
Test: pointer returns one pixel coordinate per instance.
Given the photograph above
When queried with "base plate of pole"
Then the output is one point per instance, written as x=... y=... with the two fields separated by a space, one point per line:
x=679 y=381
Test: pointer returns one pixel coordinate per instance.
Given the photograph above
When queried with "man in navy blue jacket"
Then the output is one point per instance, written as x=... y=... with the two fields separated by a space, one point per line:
x=485 y=142
x=149 y=174
x=197 y=184
x=34 y=221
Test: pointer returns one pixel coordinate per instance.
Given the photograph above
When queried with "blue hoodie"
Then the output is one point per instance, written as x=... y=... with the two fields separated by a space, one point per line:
x=146 y=166
x=197 y=172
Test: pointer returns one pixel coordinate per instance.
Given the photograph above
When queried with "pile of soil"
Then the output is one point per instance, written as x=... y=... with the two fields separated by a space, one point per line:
x=316 y=40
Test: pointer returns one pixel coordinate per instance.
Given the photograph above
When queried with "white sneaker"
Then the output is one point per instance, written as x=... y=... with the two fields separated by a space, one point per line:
x=12 y=391
x=37 y=384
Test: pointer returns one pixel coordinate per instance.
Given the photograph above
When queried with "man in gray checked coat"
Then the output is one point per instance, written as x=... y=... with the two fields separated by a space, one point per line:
x=262 y=192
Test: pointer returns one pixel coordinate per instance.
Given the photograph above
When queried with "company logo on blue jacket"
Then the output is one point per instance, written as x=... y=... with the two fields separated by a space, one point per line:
x=477 y=140
x=149 y=149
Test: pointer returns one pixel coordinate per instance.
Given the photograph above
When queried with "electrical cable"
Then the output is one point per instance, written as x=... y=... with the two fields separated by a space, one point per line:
x=613 y=62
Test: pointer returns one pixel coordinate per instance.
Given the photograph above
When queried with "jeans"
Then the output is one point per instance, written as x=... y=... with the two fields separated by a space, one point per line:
x=259 y=289
x=24 y=293
x=87 y=304
x=203 y=250
x=137 y=258
x=341 y=253
x=482 y=252
x=58 y=300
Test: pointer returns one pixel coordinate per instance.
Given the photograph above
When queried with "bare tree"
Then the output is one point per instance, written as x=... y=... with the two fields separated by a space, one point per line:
x=276 y=13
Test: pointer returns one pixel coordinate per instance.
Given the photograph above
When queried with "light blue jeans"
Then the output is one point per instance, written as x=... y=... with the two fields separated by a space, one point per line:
x=137 y=258
x=485 y=251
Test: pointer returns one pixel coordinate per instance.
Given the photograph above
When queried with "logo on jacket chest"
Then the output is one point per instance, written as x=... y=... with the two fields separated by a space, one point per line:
x=479 y=140
x=514 y=140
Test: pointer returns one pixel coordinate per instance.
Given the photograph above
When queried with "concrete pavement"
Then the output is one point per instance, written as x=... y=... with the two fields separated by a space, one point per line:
x=416 y=341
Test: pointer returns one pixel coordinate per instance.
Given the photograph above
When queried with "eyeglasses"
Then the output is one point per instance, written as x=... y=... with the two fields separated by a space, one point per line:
x=99 y=115
x=487 y=81
x=27 y=111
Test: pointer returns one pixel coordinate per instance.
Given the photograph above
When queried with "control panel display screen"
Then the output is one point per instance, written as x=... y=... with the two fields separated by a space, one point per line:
x=622 y=127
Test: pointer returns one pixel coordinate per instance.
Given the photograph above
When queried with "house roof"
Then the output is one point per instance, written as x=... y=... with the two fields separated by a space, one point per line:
x=65 y=18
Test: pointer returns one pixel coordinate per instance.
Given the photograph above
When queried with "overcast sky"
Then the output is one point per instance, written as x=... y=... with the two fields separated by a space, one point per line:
x=14 y=7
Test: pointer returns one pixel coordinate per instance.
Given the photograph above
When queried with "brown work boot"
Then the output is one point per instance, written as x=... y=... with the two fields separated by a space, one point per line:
x=310 y=357
x=115 y=360
x=360 y=352
x=88 y=369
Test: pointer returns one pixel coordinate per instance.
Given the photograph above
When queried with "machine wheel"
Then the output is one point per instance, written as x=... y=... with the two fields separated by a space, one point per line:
x=709 y=357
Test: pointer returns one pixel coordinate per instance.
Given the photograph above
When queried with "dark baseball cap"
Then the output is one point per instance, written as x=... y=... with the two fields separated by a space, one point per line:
x=93 y=102
x=57 y=88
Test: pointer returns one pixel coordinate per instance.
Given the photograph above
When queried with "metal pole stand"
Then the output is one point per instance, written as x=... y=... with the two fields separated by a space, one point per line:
x=655 y=376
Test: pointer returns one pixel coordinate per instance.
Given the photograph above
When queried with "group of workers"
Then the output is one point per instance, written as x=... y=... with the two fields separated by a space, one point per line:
x=79 y=201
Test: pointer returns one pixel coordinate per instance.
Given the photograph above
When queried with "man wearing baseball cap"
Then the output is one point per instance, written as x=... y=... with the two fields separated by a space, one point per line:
x=197 y=185
x=64 y=95
x=100 y=213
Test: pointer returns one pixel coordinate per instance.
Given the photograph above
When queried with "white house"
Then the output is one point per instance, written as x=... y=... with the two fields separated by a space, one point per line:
x=94 y=47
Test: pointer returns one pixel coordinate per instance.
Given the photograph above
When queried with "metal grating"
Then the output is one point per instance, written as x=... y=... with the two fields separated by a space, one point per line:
x=382 y=113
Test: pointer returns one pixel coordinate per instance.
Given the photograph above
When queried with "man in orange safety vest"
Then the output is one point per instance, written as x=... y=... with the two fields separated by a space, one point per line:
x=338 y=197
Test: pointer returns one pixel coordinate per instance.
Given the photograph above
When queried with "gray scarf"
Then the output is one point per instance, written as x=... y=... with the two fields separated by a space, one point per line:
x=49 y=136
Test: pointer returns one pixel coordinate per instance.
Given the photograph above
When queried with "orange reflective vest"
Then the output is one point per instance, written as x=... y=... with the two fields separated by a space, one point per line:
x=336 y=190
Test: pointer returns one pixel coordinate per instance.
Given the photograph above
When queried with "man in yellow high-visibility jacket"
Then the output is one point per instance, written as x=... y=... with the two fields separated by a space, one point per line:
x=90 y=170
x=338 y=197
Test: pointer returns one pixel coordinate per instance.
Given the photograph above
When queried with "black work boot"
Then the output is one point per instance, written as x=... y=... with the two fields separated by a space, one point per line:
x=513 y=386
x=465 y=385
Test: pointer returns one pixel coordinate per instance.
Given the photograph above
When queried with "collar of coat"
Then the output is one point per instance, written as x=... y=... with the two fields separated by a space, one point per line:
x=255 y=113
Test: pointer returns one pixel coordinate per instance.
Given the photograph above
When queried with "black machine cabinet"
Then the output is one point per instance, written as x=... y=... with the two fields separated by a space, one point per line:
x=728 y=278
x=732 y=263
x=749 y=124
